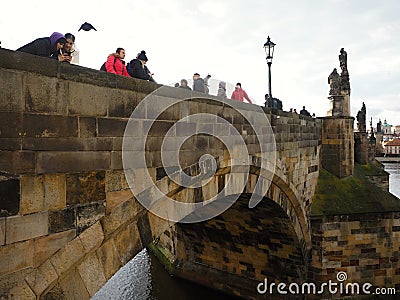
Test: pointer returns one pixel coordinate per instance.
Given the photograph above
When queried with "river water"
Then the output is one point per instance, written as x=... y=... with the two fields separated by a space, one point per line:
x=144 y=278
x=394 y=178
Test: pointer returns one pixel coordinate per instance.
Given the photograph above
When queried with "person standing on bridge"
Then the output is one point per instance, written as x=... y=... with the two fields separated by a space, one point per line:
x=115 y=63
x=240 y=94
x=198 y=83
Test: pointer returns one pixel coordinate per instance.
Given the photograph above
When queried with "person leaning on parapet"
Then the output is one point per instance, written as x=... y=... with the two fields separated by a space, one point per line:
x=47 y=47
x=222 y=89
x=305 y=112
x=115 y=63
x=138 y=68
x=184 y=85
x=70 y=50
x=198 y=83
x=239 y=93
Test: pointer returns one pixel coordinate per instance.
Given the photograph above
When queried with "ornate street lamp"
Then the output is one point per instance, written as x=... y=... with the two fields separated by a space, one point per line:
x=269 y=51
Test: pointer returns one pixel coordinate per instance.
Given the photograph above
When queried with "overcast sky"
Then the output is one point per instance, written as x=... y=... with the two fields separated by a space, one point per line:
x=225 y=38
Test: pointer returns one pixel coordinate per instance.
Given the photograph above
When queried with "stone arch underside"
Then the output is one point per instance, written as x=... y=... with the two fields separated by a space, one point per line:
x=238 y=249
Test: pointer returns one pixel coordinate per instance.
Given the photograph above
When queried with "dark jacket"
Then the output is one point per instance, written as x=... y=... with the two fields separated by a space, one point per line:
x=41 y=47
x=137 y=70
x=198 y=85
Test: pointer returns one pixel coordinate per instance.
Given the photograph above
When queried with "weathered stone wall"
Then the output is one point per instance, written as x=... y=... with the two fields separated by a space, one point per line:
x=68 y=220
x=365 y=246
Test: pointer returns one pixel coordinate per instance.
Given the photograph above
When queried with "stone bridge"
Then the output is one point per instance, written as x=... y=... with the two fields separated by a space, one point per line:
x=68 y=218
x=72 y=210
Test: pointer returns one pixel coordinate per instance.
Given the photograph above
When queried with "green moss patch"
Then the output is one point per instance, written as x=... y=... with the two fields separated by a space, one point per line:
x=354 y=194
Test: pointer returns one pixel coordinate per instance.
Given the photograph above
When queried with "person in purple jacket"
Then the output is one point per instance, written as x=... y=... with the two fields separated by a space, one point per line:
x=46 y=46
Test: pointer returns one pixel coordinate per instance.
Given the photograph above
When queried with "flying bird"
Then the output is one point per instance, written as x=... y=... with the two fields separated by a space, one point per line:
x=87 y=26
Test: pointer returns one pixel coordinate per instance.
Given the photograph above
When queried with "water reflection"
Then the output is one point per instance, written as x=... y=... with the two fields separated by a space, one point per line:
x=133 y=281
x=394 y=179
x=144 y=278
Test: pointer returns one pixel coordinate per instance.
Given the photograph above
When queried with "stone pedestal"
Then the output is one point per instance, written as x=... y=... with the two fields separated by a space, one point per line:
x=361 y=147
x=346 y=102
x=336 y=106
x=337 y=155
x=371 y=149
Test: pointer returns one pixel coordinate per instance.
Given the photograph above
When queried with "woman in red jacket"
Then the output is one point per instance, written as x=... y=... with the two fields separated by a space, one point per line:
x=115 y=63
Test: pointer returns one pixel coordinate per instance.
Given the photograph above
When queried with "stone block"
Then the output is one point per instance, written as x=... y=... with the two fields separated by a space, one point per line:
x=160 y=128
x=115 y=181
x=44 y=94
x=128 y=243
x=92 y=274
x=9 y=196
x=20 y=228
x=46 y=126
x=109 y=258
x=88 y=100
x=45 y=247
x=116 y=160
x=68 y=256
x=120 y=215
x=114 y=199
x=87 y=127
x=10 y=144
x=62 y=220
x=40 y=279
x=123 y=103
x=92 y=237
x=11 y=91
x=85 y=188
x=88 y=214
x=39 y=193
x=60 y=162
x=17 y=162
x=16 y=257
x=111 y=127
x=21 y=291
x=11 y=125
x=73 y=287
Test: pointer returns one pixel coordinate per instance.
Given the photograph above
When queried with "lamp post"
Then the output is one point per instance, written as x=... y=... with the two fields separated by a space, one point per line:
x=269 y=51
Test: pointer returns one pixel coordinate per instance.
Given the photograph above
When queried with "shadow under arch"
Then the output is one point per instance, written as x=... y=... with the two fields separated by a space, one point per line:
x=238 y=249
x=277 y=190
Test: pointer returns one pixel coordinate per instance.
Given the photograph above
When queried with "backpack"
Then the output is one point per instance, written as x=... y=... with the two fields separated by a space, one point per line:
x=103 y=66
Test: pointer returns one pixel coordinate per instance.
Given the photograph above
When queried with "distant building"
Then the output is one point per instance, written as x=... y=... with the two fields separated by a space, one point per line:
x=392 y=147
x=386 y=128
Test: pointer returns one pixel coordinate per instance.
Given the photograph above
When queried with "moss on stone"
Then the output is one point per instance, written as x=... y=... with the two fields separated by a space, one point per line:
x=354 y=194
x=162 y=256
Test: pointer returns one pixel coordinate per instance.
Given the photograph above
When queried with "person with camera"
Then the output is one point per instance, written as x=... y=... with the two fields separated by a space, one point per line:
x=46 y=46
x=69 y=52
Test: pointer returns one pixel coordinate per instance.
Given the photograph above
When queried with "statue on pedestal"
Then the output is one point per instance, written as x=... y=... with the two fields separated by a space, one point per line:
x=361 y=119
x=334 y=82
x=344 y=76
